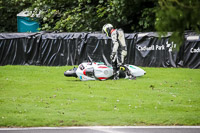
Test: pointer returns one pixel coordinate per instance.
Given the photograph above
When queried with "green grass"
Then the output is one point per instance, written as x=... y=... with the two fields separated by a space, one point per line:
x=42 y=96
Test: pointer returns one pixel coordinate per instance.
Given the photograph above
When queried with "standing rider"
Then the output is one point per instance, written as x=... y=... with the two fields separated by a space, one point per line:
x=119 y=50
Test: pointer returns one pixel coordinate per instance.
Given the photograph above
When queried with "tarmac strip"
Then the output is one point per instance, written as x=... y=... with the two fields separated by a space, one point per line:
x=105 y=129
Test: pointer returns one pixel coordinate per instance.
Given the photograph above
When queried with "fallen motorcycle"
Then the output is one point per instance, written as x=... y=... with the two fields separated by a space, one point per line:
x=99 y=71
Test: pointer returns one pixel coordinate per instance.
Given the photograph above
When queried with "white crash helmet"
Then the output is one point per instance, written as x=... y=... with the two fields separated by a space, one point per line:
x=107 y=28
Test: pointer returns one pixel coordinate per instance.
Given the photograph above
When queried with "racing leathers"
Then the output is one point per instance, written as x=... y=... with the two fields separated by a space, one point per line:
x=119 y=50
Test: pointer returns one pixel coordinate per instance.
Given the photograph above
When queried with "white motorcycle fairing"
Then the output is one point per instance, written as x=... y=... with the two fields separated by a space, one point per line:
x=94 y=71
x=136 y=71
x=99 y=71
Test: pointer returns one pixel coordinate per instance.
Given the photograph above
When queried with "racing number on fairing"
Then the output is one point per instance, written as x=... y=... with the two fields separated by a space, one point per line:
x=81 y=67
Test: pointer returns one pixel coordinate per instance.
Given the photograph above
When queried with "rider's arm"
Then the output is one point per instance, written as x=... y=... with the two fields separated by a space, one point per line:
x=115 y=42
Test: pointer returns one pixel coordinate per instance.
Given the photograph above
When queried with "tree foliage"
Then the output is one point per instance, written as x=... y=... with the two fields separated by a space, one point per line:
x=8 y=13
x=83 y=15
x=90 y=15
x=177 y=16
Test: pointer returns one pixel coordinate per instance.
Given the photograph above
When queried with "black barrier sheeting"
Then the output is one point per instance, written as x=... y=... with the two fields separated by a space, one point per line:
x=19 y=49
x=130 y=42
x=154 y=52
x=64 y=49
x=189 y=55
x=12 y=51
x=59 y=49
x=98 y=48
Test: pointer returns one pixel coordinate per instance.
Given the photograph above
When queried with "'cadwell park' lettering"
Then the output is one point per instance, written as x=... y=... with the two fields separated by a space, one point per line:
x=193 y=50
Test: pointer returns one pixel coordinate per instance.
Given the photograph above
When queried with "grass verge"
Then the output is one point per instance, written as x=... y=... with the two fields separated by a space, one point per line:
x=42 y=96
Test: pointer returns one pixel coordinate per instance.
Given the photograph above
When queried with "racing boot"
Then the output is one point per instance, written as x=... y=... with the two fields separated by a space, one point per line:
x=129 y=75
x=116 y=75
x=132 y=77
